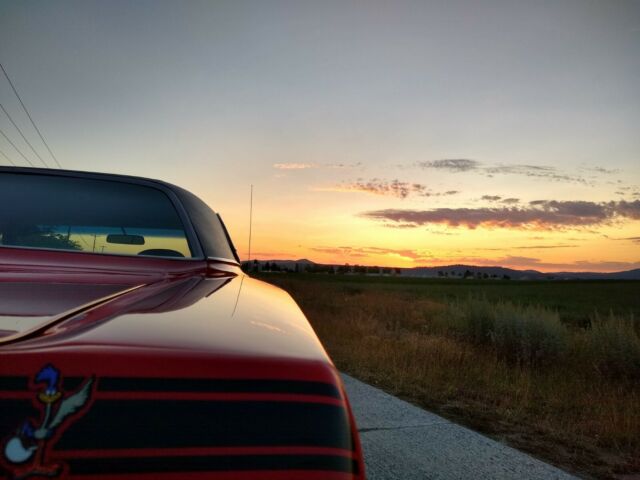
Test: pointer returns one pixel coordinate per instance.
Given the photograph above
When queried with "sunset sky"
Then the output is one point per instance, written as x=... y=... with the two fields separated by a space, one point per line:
x=383 y=133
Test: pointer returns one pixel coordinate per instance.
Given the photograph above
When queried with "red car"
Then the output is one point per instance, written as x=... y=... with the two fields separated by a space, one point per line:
x=133 y=346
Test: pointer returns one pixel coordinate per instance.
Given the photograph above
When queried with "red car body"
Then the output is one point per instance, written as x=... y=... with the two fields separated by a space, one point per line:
x=162 y=368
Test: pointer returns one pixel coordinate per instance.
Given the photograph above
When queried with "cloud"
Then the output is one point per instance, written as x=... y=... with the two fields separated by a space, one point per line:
x=367 y=251
x=342 y=251
x=539 y=215
x=392 y=188
x=527 y=247
x=534 y=171
x=460 y=165
x=305 y=166
x=452 y=164
x=294 y=166
x=538 y=247
x=273 y=255
x=496 y=198
x=603 y=170
x=629 y=209
x=630 y=239
x=343 y=165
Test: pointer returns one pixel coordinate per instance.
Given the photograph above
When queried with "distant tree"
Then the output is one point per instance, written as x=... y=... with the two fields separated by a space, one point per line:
x=440 y=273
x=39 y=237
x=506 y=277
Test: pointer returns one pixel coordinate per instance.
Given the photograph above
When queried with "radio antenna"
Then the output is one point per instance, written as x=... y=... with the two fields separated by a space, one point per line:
x=250 y=222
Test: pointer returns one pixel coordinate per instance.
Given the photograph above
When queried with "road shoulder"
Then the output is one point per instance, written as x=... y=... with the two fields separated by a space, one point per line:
x=402 y=441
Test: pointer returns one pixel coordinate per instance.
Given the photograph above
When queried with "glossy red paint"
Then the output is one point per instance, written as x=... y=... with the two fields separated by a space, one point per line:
x=166 y=320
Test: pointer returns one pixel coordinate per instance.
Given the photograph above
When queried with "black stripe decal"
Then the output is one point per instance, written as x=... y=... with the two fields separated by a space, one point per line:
x=116 y=424
x=197 y=385
x=128 y=384
x=14 y=384
x=21 y=384
x=89 y=466
x=13 y=413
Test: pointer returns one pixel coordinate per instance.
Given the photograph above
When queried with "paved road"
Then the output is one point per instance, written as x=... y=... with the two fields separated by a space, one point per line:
x=404 y=442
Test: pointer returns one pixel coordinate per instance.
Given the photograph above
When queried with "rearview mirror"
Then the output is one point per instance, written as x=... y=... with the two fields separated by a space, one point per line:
x=125 y=239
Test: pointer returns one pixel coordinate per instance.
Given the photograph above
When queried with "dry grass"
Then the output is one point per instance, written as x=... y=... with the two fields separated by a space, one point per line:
x=566 y=394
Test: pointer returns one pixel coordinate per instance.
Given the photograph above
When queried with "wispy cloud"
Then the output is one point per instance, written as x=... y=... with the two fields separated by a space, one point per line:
x=538 y=215
x=543 y=247
x=605 y=171
x=343 y=165
x=392 y=188
x=452 y=164
x=306 y=166
x=368 y=251
x=534 y=171
x=294 y=166
x=498 y=198
x=461 y=165
x=629 y=239
x=273 y=255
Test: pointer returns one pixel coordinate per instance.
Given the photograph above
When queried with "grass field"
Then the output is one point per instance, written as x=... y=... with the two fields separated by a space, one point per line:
x=552 y=368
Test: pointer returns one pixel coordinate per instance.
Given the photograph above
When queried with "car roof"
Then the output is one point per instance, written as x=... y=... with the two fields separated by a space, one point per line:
x=87 y=174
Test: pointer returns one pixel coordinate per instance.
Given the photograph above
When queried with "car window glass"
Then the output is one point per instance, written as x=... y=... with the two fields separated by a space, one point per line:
x=81 y=214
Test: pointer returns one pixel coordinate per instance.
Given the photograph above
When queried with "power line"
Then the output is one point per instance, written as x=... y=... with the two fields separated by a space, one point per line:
x=17 y=149
x=5 y=156
x=22 y=135
x=28 y=115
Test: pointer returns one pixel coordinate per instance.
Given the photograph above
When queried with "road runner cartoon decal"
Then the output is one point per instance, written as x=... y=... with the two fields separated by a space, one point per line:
x=28 y=449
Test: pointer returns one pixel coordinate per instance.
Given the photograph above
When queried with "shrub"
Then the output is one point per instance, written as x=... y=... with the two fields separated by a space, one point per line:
x=613 y=346
x=471 y=319
x=530 y=336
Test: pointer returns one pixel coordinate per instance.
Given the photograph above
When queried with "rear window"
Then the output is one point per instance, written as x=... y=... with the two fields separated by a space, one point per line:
x=87 y=215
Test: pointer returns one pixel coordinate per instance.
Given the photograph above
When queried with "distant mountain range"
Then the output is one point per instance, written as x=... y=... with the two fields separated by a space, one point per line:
x=453 y=271
x=445 y=271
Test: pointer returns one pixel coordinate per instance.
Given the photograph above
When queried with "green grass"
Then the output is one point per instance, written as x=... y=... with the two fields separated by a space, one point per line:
x=574 y=300
x=551 y=367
